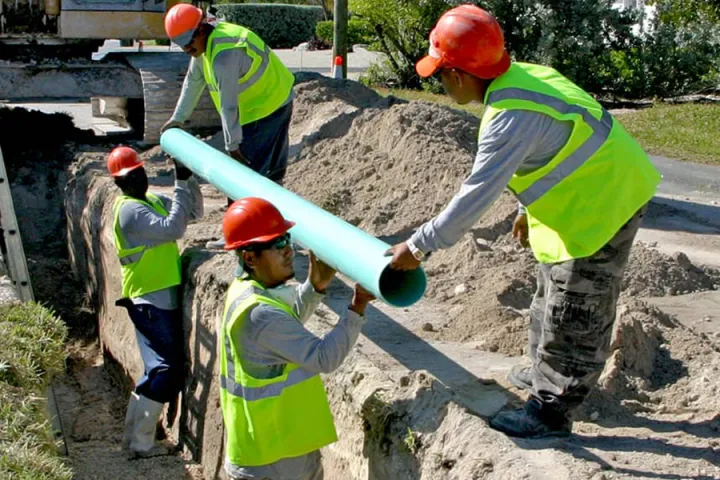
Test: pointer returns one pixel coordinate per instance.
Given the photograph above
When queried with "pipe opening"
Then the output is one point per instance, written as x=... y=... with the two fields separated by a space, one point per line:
x=402 y=288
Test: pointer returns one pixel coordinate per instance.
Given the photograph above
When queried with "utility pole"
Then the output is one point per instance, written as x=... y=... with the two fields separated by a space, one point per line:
x=340 y=33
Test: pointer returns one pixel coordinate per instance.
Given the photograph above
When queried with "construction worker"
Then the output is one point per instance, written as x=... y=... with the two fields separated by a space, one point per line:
x=249 y=85
x=146 y=227
x=274 y=405
x=583 y=184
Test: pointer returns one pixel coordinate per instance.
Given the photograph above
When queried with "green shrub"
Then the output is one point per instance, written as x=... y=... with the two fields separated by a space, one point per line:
x=590 y=42
x=402 y=27
x=31 y=353
x=358 y=32
x=279 y=25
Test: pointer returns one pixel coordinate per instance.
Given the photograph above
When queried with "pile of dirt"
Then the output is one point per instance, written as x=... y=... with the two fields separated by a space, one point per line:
x=657 y=366
x=385 y=169
x=652 y=274
x=389 y=167
x=50 y=132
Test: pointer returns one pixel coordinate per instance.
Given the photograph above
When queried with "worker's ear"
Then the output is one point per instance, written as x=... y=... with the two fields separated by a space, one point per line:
x=249 y=259
x=461 y=78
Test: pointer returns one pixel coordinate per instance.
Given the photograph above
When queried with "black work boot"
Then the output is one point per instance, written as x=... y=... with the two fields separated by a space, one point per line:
x=532 y=421
x=521 y=377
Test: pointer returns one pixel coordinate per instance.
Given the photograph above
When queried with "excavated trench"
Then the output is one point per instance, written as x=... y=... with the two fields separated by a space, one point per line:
x=92 y=393
x=413 y=398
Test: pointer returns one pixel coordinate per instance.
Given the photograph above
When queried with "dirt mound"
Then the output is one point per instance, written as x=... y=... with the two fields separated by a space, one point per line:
x=652 y=274
x=496 y=281
x=388 y=168
x=54 y=131
x=37 y=172
x=392 y=169
x=657 y=366
x=313 y=89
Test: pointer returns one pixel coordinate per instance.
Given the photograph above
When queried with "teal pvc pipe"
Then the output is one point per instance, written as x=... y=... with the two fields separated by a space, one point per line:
x=341 y=245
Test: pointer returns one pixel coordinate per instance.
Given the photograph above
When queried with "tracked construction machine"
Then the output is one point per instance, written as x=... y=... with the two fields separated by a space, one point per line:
x=47 y=49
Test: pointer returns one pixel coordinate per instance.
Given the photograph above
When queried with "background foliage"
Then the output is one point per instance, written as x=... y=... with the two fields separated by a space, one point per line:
x=279 y=25
x=604 y=50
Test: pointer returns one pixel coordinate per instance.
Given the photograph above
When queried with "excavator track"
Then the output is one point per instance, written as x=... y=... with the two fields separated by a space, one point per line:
x=162 y=75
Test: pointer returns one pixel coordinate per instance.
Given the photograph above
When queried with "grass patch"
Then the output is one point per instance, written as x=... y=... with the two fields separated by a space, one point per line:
x=32 y=352
x=684 y=132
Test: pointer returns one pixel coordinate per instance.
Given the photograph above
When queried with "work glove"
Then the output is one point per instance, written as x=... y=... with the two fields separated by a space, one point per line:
x=181 y=171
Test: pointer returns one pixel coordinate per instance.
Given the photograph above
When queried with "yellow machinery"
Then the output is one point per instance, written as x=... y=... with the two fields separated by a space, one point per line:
x=45 y=54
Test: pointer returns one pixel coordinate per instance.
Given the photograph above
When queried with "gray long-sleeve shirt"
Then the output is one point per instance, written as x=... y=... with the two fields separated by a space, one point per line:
x=514 y=141
x=229 y=67
x=270 y=339
x=141 y=225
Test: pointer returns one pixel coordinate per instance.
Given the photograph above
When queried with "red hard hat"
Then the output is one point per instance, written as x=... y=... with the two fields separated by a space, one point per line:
x=467 y=38
x=181 y=21
x=123 y=160
x=252 y=220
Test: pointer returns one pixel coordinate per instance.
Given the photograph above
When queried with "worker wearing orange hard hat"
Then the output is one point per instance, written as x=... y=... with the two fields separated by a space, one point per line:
x=146 y=227
x=583 y=184
x=275 y=409
x=248 y=84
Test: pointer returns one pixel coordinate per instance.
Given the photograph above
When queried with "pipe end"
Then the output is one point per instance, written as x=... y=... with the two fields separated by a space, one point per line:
x=402 y=288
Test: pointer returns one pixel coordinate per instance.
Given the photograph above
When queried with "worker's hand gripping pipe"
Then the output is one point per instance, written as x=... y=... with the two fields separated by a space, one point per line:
x=341 y=245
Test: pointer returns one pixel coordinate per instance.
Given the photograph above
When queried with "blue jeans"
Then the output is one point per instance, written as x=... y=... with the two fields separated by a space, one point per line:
x=161 y=341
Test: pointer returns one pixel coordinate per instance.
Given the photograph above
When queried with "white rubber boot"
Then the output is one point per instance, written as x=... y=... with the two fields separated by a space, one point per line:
x=130 y=420
x=142 y=444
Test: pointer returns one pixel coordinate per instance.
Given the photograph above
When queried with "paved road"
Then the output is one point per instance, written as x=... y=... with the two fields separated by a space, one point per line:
x=690 y=179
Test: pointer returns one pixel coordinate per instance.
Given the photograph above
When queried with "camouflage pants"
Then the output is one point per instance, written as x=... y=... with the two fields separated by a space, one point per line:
x=572 y=317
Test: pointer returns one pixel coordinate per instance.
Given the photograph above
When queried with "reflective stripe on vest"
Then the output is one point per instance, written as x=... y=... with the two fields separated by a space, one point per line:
x=273 y=418
x=150 y=267
x=597 y=181
x=601 y=132
x=251 y=77
x=264 y=88
x=255 y=393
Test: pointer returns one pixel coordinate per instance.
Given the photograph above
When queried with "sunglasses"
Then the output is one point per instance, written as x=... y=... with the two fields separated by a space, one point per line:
x=278 y=244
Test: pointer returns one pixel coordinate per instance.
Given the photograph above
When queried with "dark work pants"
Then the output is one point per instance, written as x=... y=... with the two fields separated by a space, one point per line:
x=572 y=318
x=266 y=143
x=161 y=341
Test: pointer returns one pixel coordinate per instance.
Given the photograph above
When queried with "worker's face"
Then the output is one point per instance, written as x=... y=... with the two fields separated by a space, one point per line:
x=272 y=266
x=197 y=45
x=135 y=183
x=462 y=87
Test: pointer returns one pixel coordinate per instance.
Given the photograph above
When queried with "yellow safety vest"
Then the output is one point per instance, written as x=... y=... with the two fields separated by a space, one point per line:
x=267 y=419
x=593 y=186
x=264 y=88
x=145 y=268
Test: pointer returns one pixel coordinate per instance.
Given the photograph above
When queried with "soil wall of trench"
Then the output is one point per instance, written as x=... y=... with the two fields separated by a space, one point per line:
x=413 y=398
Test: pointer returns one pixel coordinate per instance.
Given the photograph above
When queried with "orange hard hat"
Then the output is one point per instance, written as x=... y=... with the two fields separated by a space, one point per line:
x=467 y=38
x=181 y=21
x=123 y=160
x=252 y=220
